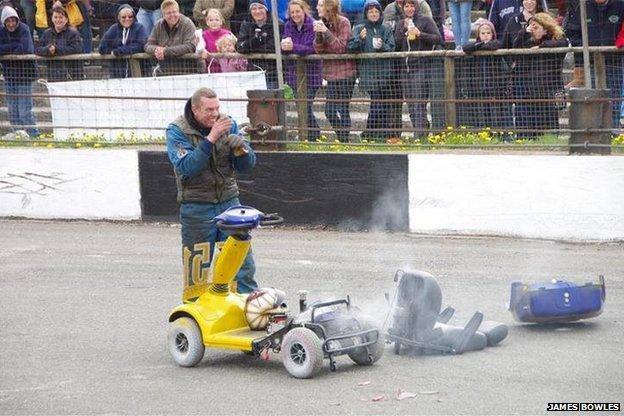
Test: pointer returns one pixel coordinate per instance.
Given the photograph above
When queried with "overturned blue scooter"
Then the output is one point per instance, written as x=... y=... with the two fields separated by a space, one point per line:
x=557 y=301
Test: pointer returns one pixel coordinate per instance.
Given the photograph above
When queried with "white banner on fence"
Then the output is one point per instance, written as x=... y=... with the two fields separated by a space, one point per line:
x=69 y=183
x=152 y=116
x=552 y=197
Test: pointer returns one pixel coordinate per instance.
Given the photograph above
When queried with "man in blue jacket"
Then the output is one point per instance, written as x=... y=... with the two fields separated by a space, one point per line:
x=15 y=39
x=604 y=20
x=206 y=150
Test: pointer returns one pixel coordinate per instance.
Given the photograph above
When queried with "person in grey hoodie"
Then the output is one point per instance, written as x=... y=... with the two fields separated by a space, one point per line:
x=15 y=39
x=125 y=38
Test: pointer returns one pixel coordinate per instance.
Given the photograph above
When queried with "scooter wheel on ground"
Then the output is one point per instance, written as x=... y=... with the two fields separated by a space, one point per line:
x=302 y=353
x=364 y=356
x=185 y=342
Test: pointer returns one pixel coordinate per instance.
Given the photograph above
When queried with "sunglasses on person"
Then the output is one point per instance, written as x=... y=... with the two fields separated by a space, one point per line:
x=129 y=16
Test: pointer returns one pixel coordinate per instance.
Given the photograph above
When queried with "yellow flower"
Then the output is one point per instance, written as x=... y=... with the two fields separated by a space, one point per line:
x=78 y=145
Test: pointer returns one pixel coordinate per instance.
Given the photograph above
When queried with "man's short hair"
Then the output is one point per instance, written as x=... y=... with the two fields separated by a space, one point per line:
x=202 y=93
x=168 y=3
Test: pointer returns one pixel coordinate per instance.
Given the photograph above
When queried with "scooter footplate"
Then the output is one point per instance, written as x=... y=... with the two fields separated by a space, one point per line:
x=237 y=339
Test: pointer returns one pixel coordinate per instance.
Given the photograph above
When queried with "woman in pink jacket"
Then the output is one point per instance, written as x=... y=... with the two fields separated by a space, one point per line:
x=214 y=31
x=332 y=35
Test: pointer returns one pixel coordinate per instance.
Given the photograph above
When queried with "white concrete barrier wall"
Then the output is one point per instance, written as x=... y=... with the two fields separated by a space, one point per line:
x=551 y=197
x=69 y=183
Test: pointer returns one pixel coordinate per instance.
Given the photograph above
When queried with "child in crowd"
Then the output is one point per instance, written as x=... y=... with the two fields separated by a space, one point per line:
x=214 y=31
x=489 y=80
x=227 y=44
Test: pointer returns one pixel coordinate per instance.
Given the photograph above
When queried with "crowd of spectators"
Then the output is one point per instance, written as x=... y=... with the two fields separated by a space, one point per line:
x=167 y=30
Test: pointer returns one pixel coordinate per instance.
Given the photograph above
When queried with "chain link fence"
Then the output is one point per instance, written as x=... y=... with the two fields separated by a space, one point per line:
x=504 y=95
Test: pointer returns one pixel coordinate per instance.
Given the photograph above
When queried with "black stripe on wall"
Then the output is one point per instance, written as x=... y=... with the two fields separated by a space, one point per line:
x=349 y=191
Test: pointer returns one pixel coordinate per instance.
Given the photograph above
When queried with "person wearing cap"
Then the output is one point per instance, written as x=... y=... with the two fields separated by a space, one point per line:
x=604 y=19
x=372 y=36
x=15 y=39
x=173 y=36
x=539 y=76
x=207 y=150
x=256 y=36
x=489 y=80
x=125 y=38
x=416 y=32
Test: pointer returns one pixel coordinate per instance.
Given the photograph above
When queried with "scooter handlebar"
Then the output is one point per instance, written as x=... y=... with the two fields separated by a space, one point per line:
x=267 y=219
x=271 y=219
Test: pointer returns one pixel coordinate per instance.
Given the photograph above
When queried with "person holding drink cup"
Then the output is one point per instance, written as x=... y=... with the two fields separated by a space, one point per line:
x=373 y=36
x=416 y=33
x=332 y=36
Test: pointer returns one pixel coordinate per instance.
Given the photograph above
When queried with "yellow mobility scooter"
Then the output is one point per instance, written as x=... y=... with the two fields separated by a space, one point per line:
x=259 y=322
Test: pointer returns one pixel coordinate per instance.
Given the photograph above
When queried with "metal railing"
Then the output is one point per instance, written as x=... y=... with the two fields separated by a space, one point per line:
x=446 y=108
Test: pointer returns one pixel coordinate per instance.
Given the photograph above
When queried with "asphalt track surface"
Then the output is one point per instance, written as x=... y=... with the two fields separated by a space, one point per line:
x=83 y=321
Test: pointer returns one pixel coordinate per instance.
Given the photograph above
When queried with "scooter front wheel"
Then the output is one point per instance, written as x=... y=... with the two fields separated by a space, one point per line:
x=371 y=354
x=185 y=342
x=302 y=353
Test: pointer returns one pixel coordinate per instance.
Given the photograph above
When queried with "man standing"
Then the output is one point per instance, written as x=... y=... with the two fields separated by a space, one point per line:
x=206 y=150
x=604 y=19
x=16 y=39
x=172 y=37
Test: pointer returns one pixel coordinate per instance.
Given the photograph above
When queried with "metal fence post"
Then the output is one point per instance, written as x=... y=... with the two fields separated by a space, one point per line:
x=302 y=106
x=600 y=70
x=586 y=115
x=449 y=91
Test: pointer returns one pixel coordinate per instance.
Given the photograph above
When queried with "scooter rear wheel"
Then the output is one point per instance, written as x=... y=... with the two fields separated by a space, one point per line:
x=302 y=353
x=185 y=342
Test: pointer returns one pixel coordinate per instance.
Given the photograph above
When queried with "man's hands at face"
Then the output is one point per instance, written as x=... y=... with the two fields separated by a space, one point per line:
x=219 y=128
